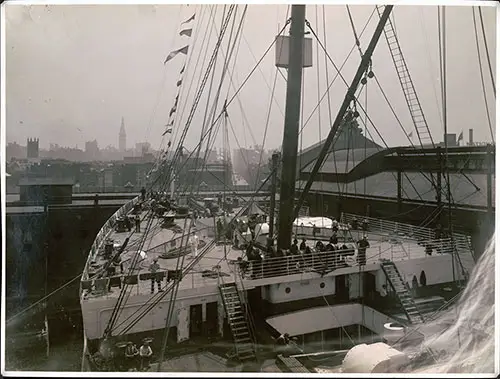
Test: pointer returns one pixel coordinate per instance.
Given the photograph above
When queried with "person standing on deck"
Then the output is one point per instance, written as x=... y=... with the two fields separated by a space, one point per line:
x=127 y=223
x=131 y=355
x=154 y=268
x=355 y=223
x=363 y=244
x=137 y=223
x=365 y=225
x=303 y=245
x=294 y=249
x=143 y=194
x=335 y=226
x=145 y=353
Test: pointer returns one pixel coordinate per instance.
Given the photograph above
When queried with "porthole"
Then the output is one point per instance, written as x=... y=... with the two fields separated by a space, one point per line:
x=322 y=285
x=288 y=290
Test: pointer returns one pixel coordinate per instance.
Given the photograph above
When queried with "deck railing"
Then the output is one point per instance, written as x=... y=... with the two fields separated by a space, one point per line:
x=459 y=246
x=105 y=230
x=390 y=227
x=326 y=261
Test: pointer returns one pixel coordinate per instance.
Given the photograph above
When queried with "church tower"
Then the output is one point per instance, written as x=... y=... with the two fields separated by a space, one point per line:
x=122 y=140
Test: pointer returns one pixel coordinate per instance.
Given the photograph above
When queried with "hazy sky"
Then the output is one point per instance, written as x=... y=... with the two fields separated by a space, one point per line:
x=73 y=71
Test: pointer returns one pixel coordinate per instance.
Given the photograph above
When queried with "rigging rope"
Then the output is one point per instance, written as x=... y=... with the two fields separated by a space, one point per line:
x=327 y=92
x=234 y=95
x=487 y=51
x=354 y=31
x=481 y=73
x=330 y=118
x=116 y=310
x=269 y=111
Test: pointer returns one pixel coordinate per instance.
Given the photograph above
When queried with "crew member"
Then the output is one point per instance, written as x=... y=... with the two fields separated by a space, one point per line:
x=146 y=353
x=303 y=245
x=355 y=223
x=362 y=245
x=131 y=355
x=365 y=225
x=155 y=275
x=143 y=194
x=294 y=249
x=335 y=226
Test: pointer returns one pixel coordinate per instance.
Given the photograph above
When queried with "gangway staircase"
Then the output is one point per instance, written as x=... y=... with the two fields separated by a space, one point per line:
x=404 y=297
x=417 y=115
x=243 y=341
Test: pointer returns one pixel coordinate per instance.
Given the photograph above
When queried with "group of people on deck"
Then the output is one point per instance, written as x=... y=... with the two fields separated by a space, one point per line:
x=114 y=358
x=138 y=360
x=259 y=263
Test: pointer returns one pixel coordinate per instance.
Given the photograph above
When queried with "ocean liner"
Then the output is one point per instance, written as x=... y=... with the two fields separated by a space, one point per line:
x=235 y=279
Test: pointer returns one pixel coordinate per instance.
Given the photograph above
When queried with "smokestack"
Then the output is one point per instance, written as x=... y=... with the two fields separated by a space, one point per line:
x=471 y=137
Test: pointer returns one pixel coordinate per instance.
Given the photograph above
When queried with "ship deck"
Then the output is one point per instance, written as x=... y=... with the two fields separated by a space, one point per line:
x=203 y=274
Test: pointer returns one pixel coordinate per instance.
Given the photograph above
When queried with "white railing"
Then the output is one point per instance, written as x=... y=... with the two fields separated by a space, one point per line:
x=461 y=244
x=299 y=263
x=104 y=232
x=327 y=261
x=390 y=227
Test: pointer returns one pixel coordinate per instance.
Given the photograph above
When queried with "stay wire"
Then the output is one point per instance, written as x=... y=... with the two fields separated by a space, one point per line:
x=481 y=73
x=487 y=51
x=239 y=89
x=268 y=116
x=358 y=44
x=327 y=92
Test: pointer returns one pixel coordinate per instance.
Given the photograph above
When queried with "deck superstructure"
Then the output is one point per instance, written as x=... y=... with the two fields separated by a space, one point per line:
x=203 y=262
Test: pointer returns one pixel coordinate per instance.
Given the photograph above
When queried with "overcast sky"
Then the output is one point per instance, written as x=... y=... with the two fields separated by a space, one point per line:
x=73 y=71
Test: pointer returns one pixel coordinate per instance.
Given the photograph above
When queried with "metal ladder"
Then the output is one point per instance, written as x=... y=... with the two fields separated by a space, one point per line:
x=397 y=283
x=417 y=115
x=243 y=342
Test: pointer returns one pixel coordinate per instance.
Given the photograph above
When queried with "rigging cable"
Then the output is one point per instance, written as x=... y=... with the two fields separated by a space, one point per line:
x=236 y=93
x=162 y=85
x=268 y=116
x=481 y=73
x=327 y=92
x=179 y=151
x=430 y=64
x=322 y=205
x=487 y=51
x=200 y=91
x=123 y=291
x=354 y=31
x=206 y=115
x=343 y=79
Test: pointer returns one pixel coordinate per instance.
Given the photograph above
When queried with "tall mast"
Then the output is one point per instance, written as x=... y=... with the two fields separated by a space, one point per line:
x=291 y=130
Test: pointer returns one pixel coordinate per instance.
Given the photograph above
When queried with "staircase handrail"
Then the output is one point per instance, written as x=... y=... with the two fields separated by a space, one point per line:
x=395 y=291
x=250 y=320
x=251 y=330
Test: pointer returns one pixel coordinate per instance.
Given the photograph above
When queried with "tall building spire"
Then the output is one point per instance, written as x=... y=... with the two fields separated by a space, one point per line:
x=122 y=138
